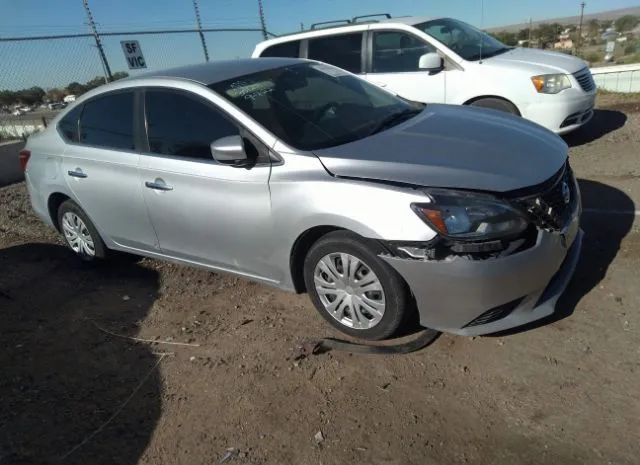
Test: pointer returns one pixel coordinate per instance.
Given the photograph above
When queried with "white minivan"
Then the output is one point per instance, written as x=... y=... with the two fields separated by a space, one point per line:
x=443 y=60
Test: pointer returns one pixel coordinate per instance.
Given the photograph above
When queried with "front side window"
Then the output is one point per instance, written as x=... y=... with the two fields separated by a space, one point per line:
x=314 y=105
x=397 y=52
x=465 y=40
x=285 y=50
x=107 y=121
x=343 y=51
x=183 y=126
x=68 y=125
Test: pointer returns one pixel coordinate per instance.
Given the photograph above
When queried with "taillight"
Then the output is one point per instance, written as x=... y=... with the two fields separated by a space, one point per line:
x=24 y=159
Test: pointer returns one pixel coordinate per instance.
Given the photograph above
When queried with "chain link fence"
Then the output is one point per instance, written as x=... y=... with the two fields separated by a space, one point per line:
x=40 y=73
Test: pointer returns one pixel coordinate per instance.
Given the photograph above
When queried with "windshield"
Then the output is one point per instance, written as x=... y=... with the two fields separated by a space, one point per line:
x=470 y=43
x=313 y=105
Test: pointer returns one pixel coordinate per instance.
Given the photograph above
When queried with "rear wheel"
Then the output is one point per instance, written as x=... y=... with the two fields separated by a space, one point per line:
x=496 y=104
x=79 y=232
x=353 y=289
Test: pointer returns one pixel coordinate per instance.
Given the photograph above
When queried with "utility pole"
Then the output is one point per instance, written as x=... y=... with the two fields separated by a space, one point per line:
x=582 y=5
x=263 y=23
x=96 y=36
x=199 y=26
x=530 y=27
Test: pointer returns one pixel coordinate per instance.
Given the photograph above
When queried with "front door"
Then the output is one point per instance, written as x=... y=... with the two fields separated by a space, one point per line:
x=101 y=167
x=394 y=66
x=203 y=211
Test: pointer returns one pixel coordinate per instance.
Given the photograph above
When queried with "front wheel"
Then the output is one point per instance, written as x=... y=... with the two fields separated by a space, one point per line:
x=496 y=104
x=353 y=289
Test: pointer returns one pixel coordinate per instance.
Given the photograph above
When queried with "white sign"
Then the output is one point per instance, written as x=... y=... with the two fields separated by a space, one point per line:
x=611 y=46
x=133 y=54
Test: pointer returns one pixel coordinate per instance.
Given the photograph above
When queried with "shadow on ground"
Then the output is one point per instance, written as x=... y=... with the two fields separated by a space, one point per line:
x=602 y=123
x=603 y=234
x=62 y=378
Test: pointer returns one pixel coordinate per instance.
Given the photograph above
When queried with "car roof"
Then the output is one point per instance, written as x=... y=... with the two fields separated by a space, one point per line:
x=407 y=20
x=216 y=71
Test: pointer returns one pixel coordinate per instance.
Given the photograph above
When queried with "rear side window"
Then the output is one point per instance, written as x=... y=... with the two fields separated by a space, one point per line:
x=285 y=50
x=68 y=125
x=107 y=121
x=183 y=126
x=343 y=51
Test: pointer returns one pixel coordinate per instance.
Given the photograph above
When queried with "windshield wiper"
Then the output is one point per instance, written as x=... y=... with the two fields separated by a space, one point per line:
x=394 y=119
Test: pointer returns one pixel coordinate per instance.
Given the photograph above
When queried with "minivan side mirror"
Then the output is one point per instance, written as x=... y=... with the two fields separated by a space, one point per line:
x=431 y=62
x=229 y=150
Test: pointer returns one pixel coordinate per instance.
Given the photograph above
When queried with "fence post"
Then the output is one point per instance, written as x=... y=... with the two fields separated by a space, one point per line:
x=96 y=36
x=263 y=23
x=199 y=25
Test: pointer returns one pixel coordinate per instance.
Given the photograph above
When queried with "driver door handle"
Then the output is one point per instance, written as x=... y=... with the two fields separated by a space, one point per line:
x=159 y=186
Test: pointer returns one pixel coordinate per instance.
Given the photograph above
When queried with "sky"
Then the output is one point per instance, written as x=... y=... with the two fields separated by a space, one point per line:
x=57 y=62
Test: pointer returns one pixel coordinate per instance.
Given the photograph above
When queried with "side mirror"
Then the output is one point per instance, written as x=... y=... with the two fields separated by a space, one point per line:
x=229 y=150
x=431 y=62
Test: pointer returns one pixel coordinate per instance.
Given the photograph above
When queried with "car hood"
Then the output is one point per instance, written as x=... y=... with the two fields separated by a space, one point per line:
x=538 y=61
x=455 y=147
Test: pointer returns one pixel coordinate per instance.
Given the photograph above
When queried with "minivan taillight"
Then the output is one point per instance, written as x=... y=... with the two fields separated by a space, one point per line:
x=24 y=159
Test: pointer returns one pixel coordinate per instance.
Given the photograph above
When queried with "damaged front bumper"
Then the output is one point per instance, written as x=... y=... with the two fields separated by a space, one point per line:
x=472 y=297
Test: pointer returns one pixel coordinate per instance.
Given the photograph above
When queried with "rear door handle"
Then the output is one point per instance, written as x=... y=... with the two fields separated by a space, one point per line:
x=159 y=186
x=379 y=84
x=77 y=173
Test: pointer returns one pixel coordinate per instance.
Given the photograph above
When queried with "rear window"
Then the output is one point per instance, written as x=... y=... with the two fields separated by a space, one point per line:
x=343 y=51
x=68 y=125
x=285 y=50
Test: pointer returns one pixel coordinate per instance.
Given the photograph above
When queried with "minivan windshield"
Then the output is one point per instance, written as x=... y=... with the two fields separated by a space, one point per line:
x=314 y=105
x=470 y=43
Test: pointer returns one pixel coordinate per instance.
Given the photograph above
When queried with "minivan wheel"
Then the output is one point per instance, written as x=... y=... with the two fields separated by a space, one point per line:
x=496 y=104
x=353 y=289
x=79 y=232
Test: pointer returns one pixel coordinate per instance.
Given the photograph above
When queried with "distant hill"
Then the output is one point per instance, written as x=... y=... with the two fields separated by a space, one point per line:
x=603 y=16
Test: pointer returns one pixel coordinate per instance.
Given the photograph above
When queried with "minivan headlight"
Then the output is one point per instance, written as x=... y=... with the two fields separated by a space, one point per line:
x=469 y=216
x=551 y=83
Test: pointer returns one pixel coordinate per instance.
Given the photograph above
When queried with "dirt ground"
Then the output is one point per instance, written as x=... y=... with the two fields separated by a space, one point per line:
x=565 y=392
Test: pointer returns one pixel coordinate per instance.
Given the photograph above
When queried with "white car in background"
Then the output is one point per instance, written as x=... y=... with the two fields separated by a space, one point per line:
x=443 y=60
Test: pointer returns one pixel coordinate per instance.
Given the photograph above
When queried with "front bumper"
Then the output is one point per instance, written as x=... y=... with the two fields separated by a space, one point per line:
x=562 y=113
x=473 y=297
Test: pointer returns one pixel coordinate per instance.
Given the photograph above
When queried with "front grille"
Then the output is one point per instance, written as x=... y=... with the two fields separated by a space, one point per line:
x=585 y=79
x=553 y=208
x=495 y=314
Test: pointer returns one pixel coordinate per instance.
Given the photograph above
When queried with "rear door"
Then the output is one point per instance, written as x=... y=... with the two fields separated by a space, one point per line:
x=203 y=211
x=344 y=50
x=100 y=164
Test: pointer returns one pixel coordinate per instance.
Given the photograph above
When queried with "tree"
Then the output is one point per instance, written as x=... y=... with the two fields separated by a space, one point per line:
x=546 y=34
x=523 y=34
x=76 y=88
x=55 y=94
x=626 y=23
x=119 y=75
x=593 y=27
x=507 y=38
x=95 y=82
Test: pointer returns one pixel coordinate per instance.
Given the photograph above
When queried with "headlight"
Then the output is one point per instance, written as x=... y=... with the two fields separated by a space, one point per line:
x=468 y=216
x=551 y=83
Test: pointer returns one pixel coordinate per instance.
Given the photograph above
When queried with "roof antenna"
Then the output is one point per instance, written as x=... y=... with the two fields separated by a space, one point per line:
x=482 y=29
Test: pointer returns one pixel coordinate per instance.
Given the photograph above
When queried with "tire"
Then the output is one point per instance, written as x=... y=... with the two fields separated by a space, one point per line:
x=72 y=219
x=496 y=104
x=370 y=323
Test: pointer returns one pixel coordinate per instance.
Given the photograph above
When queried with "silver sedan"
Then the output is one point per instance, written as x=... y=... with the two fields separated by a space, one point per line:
x=303 y=176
